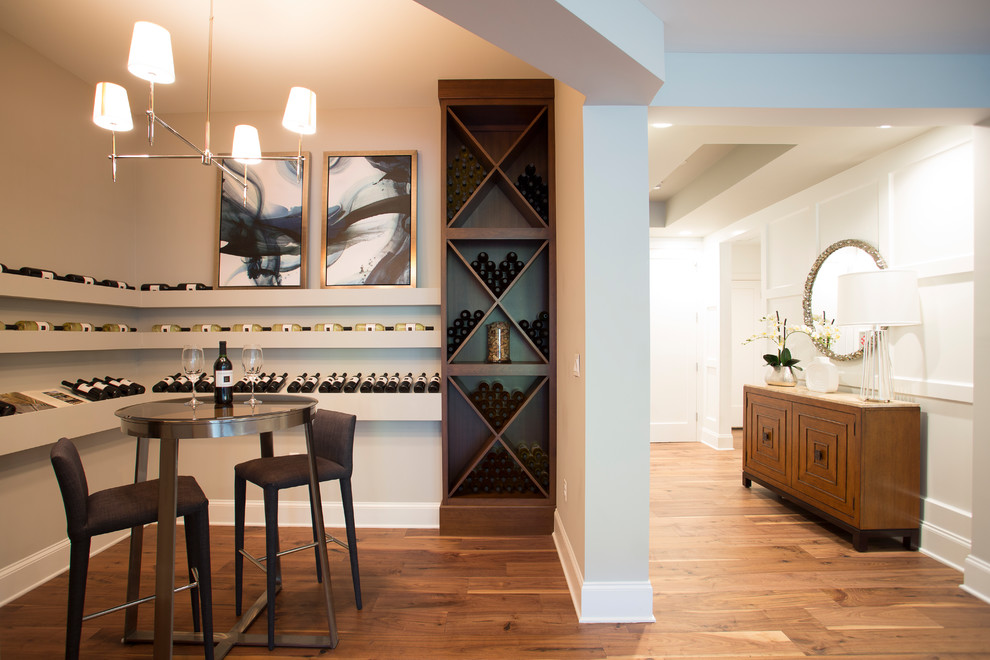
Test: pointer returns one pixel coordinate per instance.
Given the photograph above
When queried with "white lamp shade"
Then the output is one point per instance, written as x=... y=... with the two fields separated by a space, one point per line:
x=247 y=146
x=151 y=53
x=111 y=109
x=300 y=111
x=882 y=297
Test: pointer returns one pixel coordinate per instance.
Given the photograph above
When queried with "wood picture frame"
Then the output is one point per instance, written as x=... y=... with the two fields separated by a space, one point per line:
x=261 y=243
x=369 y=225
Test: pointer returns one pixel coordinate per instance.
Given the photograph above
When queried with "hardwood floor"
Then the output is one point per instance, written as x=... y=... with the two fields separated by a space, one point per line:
x=735 y=572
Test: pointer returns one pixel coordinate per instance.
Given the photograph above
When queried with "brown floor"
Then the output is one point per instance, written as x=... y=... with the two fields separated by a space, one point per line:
x=735 y=572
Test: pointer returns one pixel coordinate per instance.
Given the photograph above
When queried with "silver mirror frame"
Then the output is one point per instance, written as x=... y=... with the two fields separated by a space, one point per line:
x=810 y=282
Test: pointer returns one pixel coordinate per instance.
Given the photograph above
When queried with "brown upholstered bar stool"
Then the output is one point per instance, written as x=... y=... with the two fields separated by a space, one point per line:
x=333 y=438
x=119 y=508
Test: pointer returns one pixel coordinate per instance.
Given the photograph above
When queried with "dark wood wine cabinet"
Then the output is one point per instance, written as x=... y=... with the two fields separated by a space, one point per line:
x=499 y=416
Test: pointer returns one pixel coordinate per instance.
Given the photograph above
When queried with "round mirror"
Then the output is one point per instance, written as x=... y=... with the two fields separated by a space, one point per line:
x=820 y=292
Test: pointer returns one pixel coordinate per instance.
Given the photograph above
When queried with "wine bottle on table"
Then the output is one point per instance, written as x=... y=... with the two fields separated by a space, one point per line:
x=84 y=390
x=223 y=378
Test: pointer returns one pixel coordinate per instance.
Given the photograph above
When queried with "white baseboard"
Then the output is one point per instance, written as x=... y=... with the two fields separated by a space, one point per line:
x=602 y=602
x=22 y=576
x=36 y=569
x=977 y=578
x=720 y=441
x=945 y=532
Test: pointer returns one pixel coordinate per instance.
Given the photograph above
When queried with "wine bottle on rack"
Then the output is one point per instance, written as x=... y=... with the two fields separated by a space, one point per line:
x=193 y=286
x=367 y=385
x=210 y=327
x=181 y=384
x=78 y=279
x=163 y=384
x=247 y=327
x=406 y=384
x=168 y=327
x=339 y=382
x=205 y=384
x=114 y=284
x=277 y=383
x=264 y=382
x=37 y=272
x=85 y=391
x=310 y=384
x=115 y=327
x=421 y=384
x=296 y=383
x=380 y=384
x=242 y=385
x=434 y=385
x=392 y=385
x=42 y=326
x=325 y=386
x=111 y=392
x=6 y=409
x=352 y=383
x=223 y=375
x=123 y=389
x=72 y=326
x=134 y=388
x=158 y=286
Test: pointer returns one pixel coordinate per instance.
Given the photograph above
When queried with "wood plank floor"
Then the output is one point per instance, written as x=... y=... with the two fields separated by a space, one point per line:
x=735 y=572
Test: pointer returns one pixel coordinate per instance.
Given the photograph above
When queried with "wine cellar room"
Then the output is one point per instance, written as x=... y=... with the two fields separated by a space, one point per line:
x=579 y=268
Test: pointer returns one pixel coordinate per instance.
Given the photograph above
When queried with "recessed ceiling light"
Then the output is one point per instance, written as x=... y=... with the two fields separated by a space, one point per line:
x=884 y=126
x=661 y=124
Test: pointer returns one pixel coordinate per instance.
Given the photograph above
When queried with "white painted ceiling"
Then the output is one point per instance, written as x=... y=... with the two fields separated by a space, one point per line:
x=367 y=53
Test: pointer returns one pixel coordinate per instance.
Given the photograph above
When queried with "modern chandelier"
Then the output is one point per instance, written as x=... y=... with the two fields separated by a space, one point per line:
x=150 y=59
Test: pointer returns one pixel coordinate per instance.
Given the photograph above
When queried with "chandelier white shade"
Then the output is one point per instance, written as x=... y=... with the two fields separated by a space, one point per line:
x=247 y=146
x=151 y=53
x=300 y=111
x=111 y=109
x=150 y=59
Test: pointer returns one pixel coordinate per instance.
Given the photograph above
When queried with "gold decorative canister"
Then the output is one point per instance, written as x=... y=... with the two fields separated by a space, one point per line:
x=498 y=343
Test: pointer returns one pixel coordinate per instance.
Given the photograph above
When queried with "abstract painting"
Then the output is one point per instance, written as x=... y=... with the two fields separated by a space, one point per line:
x=262 y=231
x=369 y=233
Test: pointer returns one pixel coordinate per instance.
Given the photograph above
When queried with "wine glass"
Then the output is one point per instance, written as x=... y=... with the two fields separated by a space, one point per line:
x=252 y=359
x=192 y=367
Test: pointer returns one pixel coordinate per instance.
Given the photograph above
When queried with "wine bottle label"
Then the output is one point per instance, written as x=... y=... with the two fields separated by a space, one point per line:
x=190 y=287
x=154 y=287
x=206 y=327
x=286 y=327
x=47 y=275
x=88 y=280
x=224 y=378
x=329 y=327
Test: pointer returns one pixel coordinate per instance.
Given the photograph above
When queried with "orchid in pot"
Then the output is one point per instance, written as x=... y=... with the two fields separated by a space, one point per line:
x=781 y=362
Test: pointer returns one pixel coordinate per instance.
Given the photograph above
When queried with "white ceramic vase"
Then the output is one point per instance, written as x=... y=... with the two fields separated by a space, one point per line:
x=822 y=375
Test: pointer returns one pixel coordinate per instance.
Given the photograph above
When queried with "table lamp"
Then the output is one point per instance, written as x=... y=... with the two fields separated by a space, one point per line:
x=879 y=299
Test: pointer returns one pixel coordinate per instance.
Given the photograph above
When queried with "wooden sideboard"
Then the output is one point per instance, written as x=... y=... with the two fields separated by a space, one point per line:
x=857 y=464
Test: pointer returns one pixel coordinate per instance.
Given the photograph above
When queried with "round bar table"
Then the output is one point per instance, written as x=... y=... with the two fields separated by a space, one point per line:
x=170 y=420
